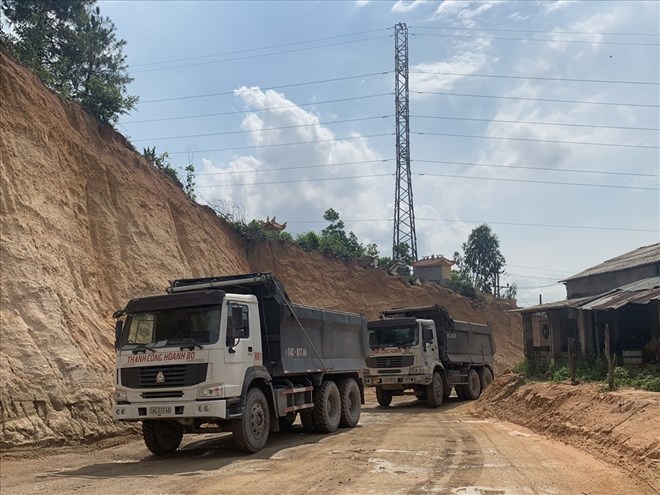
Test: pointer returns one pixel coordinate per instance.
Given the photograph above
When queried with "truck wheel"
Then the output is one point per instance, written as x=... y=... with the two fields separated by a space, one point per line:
x=307 y=420
x=286 y=422
x=474 y=385
x=384 y=397
x=435 y=390
x=251 y=431
x=351 y=406
x=486 y=378
x=327 y=407
x=162 y=437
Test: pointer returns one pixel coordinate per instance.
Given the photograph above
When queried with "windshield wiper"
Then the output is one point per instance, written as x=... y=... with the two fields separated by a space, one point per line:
x=143 y=349
x=188 y=343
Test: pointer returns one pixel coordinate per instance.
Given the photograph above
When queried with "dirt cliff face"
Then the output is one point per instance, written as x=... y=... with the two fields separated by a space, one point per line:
x=86 y=225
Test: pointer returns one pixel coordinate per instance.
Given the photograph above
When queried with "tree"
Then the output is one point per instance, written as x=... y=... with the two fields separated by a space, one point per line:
x=162 y=163
x=74 y=50
x=482 y=259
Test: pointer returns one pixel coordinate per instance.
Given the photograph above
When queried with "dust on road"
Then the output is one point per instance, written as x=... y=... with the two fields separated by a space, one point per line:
x=405 y=449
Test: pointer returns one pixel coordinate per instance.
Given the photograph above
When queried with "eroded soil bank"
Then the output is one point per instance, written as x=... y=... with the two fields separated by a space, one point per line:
x=620 y=427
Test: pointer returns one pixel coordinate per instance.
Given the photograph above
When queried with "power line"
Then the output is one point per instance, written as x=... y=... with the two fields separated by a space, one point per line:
x=237 y=91
x=283 y=144
x=536 y=31
x=295 y=167
x=320 y=179
x=539 y=268
x=555 y=141
x=549 y=100
x=259 y=55
x=627 y=43
x=385 y=160
x=233 y=112
x=514 y=224
x=582 y=184
x=530 y=181
x=536 y=78
x=606 y=172
x=247 y=50
x=444 y=117
x=243 y=131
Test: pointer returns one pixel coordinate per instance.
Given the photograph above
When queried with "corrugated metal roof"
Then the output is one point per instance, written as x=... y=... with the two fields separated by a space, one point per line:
x=645 y=255
x=566 y=303
x=618 y=299
x=640 y=292
x=439 y=261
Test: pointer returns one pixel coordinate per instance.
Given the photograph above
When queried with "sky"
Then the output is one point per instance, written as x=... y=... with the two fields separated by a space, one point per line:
x=538 y=118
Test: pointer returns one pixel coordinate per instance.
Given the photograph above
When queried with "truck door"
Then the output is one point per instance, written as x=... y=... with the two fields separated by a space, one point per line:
x=240 y=352
x=429 y=341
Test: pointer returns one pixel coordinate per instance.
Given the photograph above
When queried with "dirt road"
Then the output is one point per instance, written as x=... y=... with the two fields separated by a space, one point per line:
x=407 y=448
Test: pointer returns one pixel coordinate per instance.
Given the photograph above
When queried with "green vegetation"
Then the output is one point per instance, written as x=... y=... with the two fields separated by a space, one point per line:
x=73 y=49
x=647 y=378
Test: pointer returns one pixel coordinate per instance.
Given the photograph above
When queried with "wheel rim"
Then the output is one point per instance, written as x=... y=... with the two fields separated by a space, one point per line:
x=353 y=402
x=257 y=420
x=474 y=384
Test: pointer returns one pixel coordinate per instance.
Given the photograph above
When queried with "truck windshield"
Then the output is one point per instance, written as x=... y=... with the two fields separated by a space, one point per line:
x=393 y=337
x=172 y=327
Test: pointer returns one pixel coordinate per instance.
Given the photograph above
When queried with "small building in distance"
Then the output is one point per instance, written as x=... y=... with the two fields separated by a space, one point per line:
x=272 y=226
x=620 y=295
x=433 y=269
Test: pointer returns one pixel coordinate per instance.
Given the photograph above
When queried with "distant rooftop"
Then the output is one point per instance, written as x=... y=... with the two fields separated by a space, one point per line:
x=645 y=255
x=433 y=261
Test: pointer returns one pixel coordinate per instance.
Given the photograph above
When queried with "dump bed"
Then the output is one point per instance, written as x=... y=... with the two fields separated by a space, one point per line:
x=460 y=341
x=295 y=339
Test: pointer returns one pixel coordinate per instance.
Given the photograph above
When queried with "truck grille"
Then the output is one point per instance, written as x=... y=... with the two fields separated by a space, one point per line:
x=173 y=375
x=161 y=395
x=390 y=361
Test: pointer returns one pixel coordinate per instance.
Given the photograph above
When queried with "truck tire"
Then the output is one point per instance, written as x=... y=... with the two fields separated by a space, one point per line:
x=474 y=385
x=486 y=378
x=162 y=437
x=351 y=406
x=435 y=390
x=327 y=407
x=307 y=420
x=446 y=391
x=251 y=431
x=286 y=422
x=384 y=397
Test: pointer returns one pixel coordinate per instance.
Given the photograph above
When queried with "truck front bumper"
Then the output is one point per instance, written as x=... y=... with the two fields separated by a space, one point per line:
x=374 y=380
x=216 y=409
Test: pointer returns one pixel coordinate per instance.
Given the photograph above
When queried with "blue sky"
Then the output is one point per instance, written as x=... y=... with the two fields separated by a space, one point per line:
x=236 y=51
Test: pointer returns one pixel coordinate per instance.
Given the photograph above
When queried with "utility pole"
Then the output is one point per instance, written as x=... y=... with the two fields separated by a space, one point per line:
x=404 y=213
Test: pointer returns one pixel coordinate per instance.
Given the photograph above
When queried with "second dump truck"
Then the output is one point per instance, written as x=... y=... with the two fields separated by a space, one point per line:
x=424 y=350
x=232 y=353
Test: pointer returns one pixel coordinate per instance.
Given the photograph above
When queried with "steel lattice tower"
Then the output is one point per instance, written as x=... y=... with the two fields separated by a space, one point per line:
x=404 y=213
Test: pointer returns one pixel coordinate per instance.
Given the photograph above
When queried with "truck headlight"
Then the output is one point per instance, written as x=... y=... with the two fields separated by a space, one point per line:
x=212 y=391
x=120 y=395
x=366 y=371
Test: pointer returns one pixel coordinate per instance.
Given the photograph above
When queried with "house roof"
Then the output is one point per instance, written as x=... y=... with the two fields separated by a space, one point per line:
x=645 y=255
x=640 y=292
x=434 y=261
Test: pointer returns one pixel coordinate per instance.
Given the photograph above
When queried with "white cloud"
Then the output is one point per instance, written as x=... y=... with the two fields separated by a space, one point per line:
x=405 y=6
x=464 y=11
x=297 y=194
x=557 y=5
x=439 y=76
x=361 y=3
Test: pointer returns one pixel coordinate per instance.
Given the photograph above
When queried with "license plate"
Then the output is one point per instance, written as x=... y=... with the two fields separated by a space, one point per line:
x=160 y=410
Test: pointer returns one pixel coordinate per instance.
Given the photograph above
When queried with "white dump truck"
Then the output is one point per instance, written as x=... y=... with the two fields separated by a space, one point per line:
x=424 y=350
x=232 y=353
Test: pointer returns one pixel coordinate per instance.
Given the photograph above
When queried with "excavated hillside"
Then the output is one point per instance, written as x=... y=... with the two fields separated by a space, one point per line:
x=87 y=224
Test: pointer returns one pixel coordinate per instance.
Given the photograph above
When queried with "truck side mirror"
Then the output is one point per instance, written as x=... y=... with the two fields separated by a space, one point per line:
x=119 y=326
